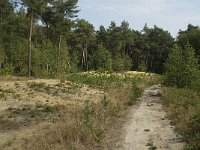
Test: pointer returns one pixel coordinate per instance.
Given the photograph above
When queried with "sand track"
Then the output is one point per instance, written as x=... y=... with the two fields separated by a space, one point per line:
x=147 y=126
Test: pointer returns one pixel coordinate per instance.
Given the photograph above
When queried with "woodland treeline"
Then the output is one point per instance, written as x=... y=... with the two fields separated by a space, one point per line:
x=45 y=38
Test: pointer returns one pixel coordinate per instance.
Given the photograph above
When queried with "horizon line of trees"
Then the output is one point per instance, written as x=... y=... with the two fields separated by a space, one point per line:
x=44 y=38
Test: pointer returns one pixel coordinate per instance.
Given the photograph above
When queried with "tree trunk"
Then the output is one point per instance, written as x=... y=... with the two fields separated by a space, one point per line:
x=146 y=60
x=1 y=20
x=59 y=51
x=30 y=44
x=47 y=68
x=124 y=48
x=152 y=63
x=47 y=33
x=83 y=57
x=86 y=54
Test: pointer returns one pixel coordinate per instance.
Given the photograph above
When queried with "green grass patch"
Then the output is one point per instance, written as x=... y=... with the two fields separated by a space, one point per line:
x=135 y=94
x=36 y=86
x=104 y=80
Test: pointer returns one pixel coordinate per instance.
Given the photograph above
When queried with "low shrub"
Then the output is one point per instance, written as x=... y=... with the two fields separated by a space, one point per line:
x=7 y=70
x=183 y=107
x=136 y=93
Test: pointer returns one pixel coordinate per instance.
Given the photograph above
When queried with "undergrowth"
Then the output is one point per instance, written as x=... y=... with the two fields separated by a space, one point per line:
x=103 y=80
x=84 y=126
x=183 y=107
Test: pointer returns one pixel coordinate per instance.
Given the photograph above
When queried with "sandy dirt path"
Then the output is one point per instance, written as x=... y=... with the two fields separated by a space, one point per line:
x=148 y=128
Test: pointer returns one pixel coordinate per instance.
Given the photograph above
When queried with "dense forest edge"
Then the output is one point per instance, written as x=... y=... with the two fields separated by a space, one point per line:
x=46 y=39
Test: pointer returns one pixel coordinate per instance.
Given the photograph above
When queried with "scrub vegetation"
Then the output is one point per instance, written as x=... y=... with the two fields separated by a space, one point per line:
x=63 y=84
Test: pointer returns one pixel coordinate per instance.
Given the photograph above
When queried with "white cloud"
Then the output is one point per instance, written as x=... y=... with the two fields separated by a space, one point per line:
x=172 y=14
x=128 y=7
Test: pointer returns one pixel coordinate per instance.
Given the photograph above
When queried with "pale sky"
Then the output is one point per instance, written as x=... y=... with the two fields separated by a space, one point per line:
x=170 y=15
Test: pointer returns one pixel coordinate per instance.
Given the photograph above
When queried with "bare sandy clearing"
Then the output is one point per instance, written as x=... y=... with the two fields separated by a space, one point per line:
x=28 y=106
